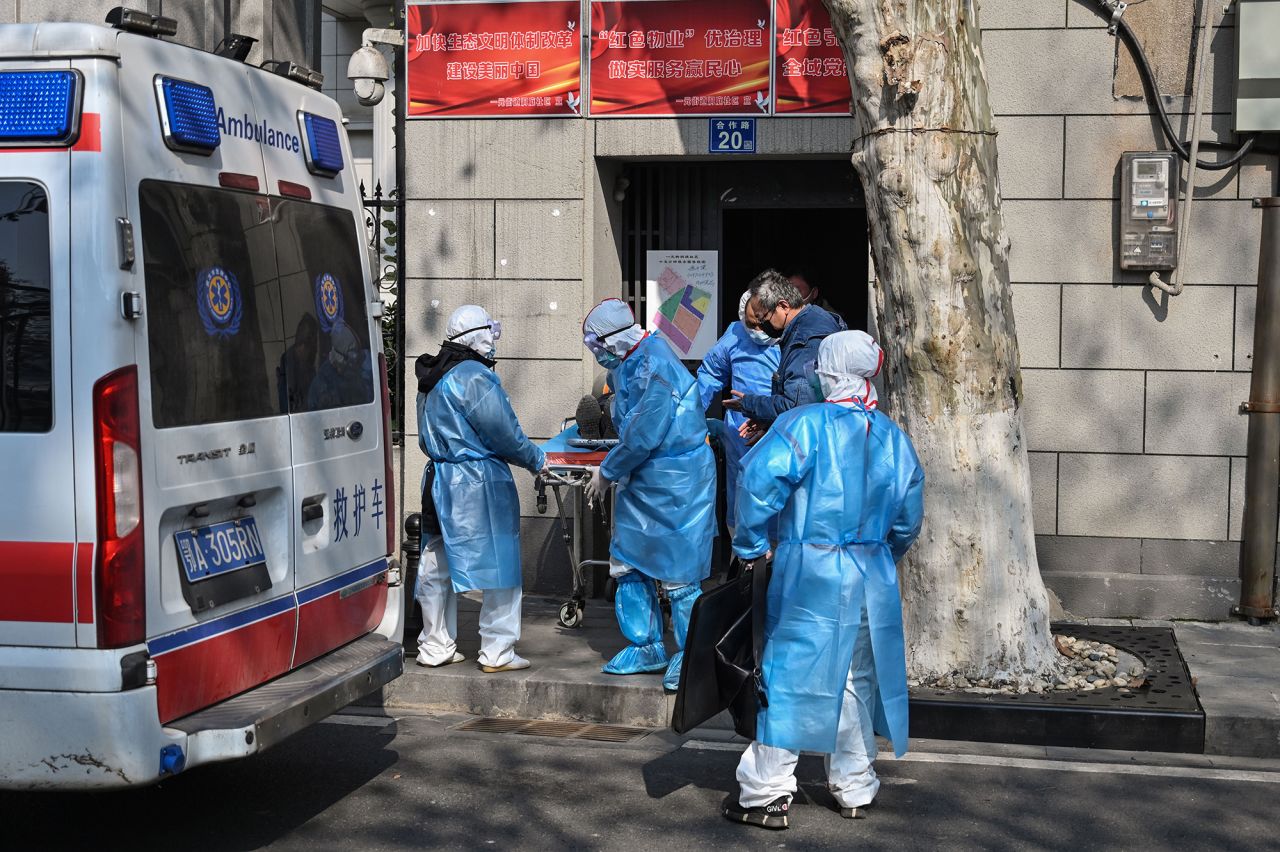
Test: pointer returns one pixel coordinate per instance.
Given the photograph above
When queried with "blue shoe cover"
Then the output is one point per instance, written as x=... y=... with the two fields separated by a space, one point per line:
x=636 y=659
x=682 y=600
x=640 y=620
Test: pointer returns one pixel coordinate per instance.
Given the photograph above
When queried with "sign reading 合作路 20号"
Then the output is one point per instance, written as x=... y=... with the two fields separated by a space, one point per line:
x=731 y=136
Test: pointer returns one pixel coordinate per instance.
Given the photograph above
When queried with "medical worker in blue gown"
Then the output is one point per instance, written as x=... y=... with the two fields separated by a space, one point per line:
x=467 y=428
x=851 y=496
x=664 y=508
x=743 y=359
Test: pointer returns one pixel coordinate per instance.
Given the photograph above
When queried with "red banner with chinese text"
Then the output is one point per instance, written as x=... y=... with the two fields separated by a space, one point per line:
x=680 y=57
x=489 y=59
x=809 y=74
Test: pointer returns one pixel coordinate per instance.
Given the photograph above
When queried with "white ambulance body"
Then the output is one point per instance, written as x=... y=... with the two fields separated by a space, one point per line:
x=196 y=522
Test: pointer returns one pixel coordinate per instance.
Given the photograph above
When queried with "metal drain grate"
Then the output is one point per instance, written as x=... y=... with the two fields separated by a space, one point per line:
x=559 y=730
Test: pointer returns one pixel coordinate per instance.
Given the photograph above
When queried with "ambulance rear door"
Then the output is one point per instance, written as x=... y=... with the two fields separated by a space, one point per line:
x=219 y=497
x=343 y=496
x=38 y=552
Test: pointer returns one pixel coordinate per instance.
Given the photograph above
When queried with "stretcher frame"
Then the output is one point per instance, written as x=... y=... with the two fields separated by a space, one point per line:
x=566 y=471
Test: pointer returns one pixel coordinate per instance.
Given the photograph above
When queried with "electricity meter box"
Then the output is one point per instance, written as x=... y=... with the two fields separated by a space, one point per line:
x=1148 y=223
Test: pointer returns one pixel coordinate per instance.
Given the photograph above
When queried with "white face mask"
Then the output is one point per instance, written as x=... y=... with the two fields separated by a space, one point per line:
x=761 y=338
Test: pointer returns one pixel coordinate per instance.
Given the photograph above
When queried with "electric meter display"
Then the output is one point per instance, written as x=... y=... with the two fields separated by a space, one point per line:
x=1148 y=227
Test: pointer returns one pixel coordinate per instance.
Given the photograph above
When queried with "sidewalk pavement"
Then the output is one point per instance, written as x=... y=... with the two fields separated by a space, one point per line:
x=1236 y=669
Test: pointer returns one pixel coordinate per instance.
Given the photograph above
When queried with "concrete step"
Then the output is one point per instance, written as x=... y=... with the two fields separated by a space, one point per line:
x=564 y=681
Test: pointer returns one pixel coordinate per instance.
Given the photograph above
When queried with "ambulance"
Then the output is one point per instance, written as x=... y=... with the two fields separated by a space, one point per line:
x=197 y=520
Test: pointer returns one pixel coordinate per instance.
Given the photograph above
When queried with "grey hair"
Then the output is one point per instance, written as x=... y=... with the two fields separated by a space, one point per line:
x=770 y=288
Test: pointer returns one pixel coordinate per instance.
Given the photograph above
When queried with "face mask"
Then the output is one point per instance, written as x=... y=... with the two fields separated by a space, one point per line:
x=815 y=382
x=607 y=360
x=773 y=333
x=491 y=354
x=758 y=336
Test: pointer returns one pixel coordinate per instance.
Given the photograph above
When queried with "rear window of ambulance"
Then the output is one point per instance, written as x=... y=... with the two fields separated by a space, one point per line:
x=213 y=305
x=329 y=361
x=26 y=354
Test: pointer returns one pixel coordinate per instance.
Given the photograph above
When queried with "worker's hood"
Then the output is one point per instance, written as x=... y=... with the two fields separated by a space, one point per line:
x=431 y=369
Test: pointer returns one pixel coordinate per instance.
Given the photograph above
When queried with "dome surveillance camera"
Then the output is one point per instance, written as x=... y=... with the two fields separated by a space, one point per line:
x=367 y=70
x=369 y=92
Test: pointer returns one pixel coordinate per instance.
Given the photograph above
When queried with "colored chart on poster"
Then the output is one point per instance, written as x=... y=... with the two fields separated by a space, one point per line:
x=494 y=59
x=680 y=57
x=683 y=298
x=809 y=74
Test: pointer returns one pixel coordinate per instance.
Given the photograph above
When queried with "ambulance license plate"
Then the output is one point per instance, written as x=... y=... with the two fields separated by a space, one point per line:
x=219 y=548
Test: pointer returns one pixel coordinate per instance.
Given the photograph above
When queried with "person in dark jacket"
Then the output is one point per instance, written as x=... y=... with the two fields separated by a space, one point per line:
x=778 y=309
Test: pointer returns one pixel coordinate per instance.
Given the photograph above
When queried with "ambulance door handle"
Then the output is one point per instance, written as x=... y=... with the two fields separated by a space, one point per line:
x=313 y=508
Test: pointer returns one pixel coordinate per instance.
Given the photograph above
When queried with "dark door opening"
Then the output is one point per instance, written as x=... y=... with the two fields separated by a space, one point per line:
x=827 y=245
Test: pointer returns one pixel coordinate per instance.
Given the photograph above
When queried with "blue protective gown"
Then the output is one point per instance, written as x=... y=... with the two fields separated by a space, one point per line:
x=664 y=508
x=738 y=363
x=467 y=427
x=851 y=494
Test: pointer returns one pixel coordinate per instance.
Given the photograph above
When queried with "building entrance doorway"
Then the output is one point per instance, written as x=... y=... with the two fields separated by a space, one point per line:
x=827 y=246
x=792 y=215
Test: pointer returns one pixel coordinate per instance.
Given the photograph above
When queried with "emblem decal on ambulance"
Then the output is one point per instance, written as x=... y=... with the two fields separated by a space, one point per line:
x=218 y=301
x=328 y=302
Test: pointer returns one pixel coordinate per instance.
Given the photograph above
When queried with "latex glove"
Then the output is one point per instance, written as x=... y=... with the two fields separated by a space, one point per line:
x=751 y=431
x=734 y=403
x=597 y=487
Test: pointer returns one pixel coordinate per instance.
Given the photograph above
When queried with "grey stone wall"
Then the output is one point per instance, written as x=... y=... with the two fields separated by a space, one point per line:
x=1131 y=396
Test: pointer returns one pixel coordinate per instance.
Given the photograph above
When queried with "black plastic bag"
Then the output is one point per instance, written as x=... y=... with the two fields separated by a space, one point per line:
x=721 y=666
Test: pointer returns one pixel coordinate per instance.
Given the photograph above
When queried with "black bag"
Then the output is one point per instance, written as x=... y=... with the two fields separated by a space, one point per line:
x=430 y=520
x=722 y=654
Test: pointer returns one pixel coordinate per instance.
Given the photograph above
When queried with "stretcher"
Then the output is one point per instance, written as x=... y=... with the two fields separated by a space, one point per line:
x=569 y=463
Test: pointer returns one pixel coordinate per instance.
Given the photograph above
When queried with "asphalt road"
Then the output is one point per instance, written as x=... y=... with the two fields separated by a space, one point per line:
x=377 y=784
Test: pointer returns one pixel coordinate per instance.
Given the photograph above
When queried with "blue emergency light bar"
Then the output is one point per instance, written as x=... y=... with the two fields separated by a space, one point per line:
x=323 y=146
x=188 y=116
x=39 y=107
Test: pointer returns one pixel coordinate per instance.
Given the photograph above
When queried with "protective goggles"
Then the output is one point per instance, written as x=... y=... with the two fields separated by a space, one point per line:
x=494 y=326
x=595 y=342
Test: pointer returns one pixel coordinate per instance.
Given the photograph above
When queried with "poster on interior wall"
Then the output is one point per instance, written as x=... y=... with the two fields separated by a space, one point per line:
x=680 y=57
x=682 y=292
x=809 y=74
x=494 y=59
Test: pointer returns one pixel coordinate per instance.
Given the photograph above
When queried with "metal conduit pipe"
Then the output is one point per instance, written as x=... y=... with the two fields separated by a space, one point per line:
x=1262 y=466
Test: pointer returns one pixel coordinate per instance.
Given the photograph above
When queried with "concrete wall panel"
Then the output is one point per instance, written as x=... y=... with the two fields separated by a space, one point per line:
x=540 y=319
x=1196 y=413
x=1095 y=142
x=538 y=239
x=449 y=239
x=1013 y=14
x=688 y=137
x=1030 y=156
x=1037 y=316
x=1083 y=410
x=512 y=158
x=1044 y=491
x=1088 y=554
x=1246 y=315
x=1128 y=328
x=1142 y=496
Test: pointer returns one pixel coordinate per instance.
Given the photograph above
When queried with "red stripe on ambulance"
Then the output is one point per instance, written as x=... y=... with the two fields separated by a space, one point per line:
x=84 y=584
x=333 y=620
x=194 y=676
x=35 y=581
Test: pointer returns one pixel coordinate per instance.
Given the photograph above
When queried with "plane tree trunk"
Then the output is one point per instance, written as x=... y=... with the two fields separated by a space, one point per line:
x=973 y=598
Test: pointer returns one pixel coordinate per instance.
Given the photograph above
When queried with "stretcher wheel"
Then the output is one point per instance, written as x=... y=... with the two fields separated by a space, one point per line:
x=570 y=614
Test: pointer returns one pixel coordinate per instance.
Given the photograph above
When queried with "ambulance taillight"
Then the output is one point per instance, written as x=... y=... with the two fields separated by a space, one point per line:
x=118 y=570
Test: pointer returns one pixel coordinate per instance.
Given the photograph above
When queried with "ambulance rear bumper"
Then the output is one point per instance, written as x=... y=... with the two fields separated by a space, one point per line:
x=98 y=740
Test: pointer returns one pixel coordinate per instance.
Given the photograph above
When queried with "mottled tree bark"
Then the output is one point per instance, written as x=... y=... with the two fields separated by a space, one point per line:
x=926 y=154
